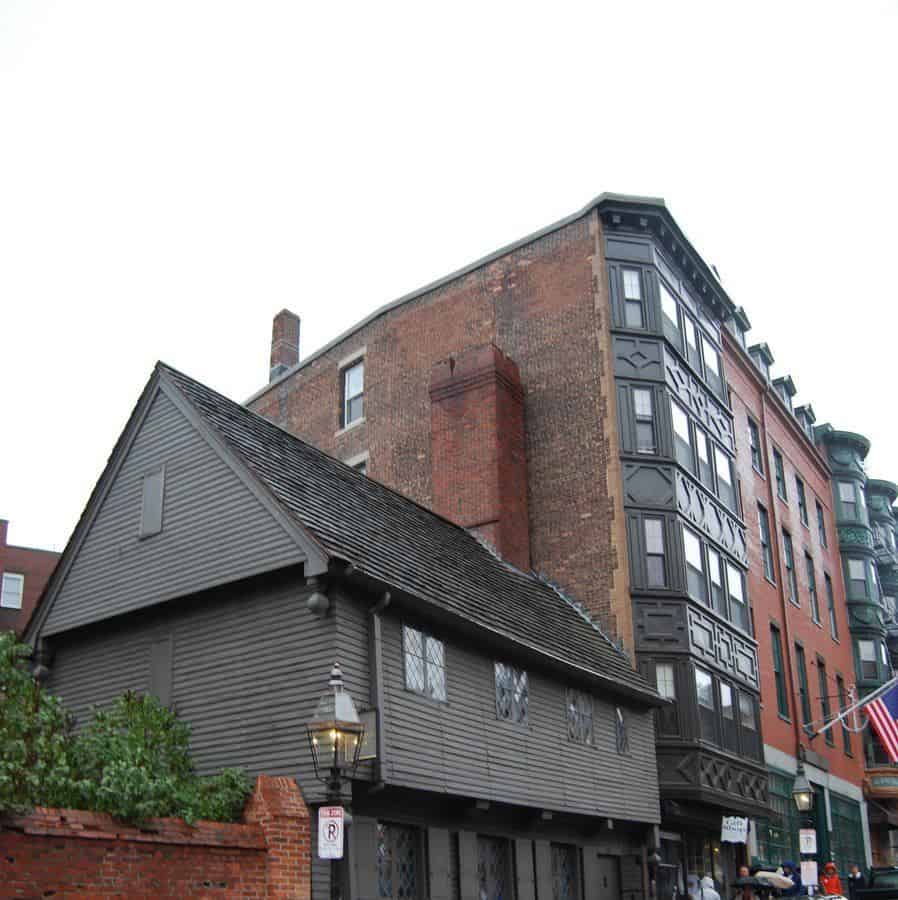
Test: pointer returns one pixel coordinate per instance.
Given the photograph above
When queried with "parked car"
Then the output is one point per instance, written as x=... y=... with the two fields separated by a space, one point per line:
x=882 y=884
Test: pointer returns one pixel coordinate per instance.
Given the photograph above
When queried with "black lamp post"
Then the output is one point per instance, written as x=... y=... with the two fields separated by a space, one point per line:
x=335 y=739
x=802 y=792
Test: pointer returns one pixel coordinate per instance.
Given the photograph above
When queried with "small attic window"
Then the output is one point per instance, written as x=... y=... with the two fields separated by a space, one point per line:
x=151 y=502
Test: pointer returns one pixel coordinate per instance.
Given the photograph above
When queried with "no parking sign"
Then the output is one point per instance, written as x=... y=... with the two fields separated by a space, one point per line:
x=330 y=832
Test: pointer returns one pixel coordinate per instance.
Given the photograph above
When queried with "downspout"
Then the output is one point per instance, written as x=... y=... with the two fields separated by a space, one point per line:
x=376 y=668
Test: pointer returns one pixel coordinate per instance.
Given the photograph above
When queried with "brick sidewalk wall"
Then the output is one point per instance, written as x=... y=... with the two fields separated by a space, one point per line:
x=71 y=853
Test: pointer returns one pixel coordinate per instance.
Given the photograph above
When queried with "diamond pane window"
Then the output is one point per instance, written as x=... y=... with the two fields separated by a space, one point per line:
x=425 y=666
x=579 y=717
x=622 y=738
x=493 y=869
x=512 y=693
x=398 y=861
x=565 y=872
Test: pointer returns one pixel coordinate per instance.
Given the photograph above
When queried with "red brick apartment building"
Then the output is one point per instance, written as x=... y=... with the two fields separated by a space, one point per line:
x=800 y=612
x=24 y=572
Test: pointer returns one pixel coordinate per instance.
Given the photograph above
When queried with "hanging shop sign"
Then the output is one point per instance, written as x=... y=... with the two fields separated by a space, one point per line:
x=734 y=830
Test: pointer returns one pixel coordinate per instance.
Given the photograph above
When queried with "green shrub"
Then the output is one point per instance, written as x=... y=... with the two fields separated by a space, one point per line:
x=131 y=760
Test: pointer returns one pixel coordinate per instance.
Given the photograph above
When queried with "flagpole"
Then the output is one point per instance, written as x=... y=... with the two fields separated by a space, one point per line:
x=868 y=699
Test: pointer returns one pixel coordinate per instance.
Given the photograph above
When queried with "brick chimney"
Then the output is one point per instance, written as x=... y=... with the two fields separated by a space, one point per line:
x=478 y=456
x=284 y=343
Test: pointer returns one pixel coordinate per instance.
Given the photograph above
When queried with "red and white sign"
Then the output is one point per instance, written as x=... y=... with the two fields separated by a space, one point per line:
x=330 y=832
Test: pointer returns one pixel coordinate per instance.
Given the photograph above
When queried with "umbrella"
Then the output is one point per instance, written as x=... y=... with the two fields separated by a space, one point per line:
x=775 y=879
x=750 y=881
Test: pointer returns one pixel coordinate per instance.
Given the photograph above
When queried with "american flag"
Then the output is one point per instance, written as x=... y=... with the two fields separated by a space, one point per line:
x=883 y=715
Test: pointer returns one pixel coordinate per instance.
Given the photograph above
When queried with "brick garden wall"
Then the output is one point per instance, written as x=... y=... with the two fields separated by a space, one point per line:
x=70 y=853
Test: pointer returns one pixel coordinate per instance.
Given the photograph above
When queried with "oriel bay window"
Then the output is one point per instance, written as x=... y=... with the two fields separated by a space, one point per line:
x=643 y=415
x=703 y=452
x=738 y=606
x=696 y=580
x=692 y=351
x=634 y=312
x=848 y=500
x=716 y=578
x=728 y=718
x=682 y=436
x=725 y=489
x=858 y=588
x=654 y=552
x=748 y=724
x=670 y=316
x=711 y=359
x=707 y=708
x=665 y=680
x=866 y=653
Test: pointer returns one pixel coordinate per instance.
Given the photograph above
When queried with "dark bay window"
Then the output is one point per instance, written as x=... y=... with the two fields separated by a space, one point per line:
x=725 y=489
x=696 y=580
x=399 y=861
x=821 y=524
x=766 y=549
x=643 y=414
x=634 y=313
x=707 y=708
x=802 y=501
x=789 y=560
x=848 y=500
x=425 y=663
x=682 y=436
x=728 y=718
x=712 y=363
x=812 y=588
x=843 y=705
x=703 y=452
x=512 y=693
x=869 y=668
x=692 y=351
x=823 y=683
x=831 y=606
x=665 y=680
x=670 y=316
x=754 y=443
x=579 y=717
x=803 y=694
x=779 y=474
x=353 y=393
x=654 y=552
x=782 y=697
x=857 y=579
x=715 y=576
x=738 y=606
x=748 y=722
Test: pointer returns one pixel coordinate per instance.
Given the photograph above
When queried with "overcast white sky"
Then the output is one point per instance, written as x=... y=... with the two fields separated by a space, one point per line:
x=174 y=173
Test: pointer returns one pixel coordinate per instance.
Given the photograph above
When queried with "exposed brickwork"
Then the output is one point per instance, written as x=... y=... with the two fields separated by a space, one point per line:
x=545 y=307
x=769 y=604
x=478 y=449
x=72 y=853
x=36 y=565
x=284 y=342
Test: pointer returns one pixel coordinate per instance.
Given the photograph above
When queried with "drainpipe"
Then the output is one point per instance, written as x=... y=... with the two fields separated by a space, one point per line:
x=376 y=669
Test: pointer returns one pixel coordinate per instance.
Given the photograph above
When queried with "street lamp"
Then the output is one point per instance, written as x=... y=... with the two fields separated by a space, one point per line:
x=335 y=739
x=802 y=793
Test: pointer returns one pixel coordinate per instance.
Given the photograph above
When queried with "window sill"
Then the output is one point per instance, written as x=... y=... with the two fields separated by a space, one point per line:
x=758 y=472
x=769 y=580
x=817 y=622
x=781 y=498
x=433 y=700
x=794 y=603
x=350 y=426
x=784 y=718
x=804 y=524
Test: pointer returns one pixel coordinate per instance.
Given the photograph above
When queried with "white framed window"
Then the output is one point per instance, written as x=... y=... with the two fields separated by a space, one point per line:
x=633 y=315
x=13 y=589
x=669 y=306
x=726 y=701
x=704 y=688
x=645 y=422
x=654 y=552
x=695 y=567
x=867 y=654
x=848 y=499
x=425 y=663
x=664 y=679
x=724 y=478
x=353 y=393
x=710 y=357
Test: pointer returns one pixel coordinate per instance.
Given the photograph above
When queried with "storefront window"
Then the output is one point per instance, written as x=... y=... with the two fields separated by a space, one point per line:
x=847 y=834
x=778 y=834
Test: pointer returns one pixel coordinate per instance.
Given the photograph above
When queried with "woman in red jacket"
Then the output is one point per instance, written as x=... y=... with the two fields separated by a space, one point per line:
x=829 y=880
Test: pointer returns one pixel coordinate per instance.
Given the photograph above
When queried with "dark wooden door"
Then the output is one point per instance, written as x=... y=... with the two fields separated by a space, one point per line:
x=601 y=876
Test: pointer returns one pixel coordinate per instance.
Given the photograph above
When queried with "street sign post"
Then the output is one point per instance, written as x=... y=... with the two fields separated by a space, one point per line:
x=330 y=832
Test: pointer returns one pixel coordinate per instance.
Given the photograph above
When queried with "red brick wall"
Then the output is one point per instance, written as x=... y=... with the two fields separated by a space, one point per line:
x=36 y=566
x=71 y=853
x=769 y=604
x=544 y=306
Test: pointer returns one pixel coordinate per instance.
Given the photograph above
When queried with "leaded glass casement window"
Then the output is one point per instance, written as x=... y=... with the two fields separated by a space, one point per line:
x=812 y=587
x=565 y=872
x=644 y=417
x=494 y=868
x=512 y=693
x=782 y=696
x=654 y=552
x=821 y=524
x=789 y=560
x=754 y=443
x=766 y=550
x=780 y=475
x=802 y=500
x=848 y=499
x=831 y=606
x=621 y=732
x=634 y=316
x=353 y=393
x=399 y=870
x=425 y=663
x=696 y=580
x=579 y=717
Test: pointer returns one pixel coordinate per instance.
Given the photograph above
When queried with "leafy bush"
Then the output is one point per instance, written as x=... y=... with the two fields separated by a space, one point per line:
x=131 y=760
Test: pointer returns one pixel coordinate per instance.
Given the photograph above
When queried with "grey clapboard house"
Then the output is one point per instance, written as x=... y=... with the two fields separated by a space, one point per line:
x=223 y=564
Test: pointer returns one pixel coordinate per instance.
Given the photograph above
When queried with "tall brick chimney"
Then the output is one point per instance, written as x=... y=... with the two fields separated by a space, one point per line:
x=478 y=456
x=284 y=343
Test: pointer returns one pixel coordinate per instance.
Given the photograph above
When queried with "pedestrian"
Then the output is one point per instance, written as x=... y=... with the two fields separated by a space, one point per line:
x=829 y=880
x=708 y=891
x=856 y=880
x=790 y=870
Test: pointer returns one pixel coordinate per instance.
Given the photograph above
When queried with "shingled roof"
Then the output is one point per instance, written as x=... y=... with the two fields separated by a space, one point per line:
x=394 y=540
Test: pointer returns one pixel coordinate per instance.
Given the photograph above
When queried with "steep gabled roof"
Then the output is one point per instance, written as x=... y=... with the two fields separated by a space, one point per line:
x=395 y=541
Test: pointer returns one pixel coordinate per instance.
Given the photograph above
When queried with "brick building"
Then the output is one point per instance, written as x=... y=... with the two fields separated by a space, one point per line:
x=565 y=396
x=24 y=572
x=800 y=612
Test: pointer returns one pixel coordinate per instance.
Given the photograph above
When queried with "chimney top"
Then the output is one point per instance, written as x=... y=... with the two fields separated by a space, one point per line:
x=284 y=344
